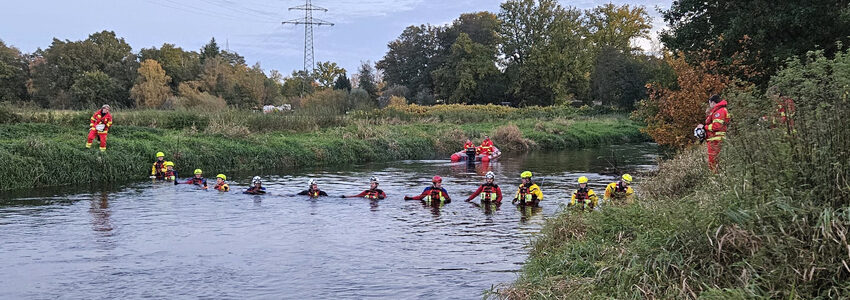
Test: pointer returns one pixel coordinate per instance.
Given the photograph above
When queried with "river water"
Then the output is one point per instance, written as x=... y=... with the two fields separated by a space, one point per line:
x=154 y=240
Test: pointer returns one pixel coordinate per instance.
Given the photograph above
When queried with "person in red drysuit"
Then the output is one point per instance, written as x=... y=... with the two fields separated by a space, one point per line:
x=715 y=127
x=100 y=123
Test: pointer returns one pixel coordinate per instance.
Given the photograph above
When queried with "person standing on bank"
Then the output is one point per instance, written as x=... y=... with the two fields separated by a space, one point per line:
x=715 y=127
x=100 y=123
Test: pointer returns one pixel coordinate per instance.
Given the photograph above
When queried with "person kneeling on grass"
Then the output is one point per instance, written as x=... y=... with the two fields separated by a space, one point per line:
x=620 y=191
x=256 y=187
x=313 y=191
x=373 y=193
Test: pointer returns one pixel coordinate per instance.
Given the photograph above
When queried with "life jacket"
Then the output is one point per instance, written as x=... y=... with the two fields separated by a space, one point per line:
x=170 y=175
x=222 y=187
x=488 y=193
x=158 y=166
x=313 y=193
x=582 y=195
x=197 y=181
x=526 y=196
x=434 y=196
x=467 y=146
x=373 y=194
x=620 y=188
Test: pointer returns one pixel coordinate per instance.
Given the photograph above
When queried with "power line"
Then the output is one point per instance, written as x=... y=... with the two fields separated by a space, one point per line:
x=308 y=21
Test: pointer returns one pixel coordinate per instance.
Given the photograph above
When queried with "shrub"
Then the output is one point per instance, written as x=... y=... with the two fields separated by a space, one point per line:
x=509 y=137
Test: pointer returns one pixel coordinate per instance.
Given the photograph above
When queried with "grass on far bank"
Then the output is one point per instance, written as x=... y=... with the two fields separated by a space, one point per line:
x=45 y=148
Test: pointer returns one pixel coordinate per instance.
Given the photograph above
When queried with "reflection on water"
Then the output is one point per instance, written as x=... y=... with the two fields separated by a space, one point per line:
x=151 y=240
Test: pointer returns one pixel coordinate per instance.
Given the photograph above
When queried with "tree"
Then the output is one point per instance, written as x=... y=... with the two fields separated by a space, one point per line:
x=151 y=87
x=469 y=66
x=616 y=26
x=180 y=65
x=366 y=79
x=13 y=74
x=671 y=114
x=481 y=27
x=409 y=60
x=545 y=55
x=292 y=85
x=326 y=73
x=210 y=50
x=342 y=83
x=95 y=88
x=618 y=78
x=773 y=31
x=57 y=68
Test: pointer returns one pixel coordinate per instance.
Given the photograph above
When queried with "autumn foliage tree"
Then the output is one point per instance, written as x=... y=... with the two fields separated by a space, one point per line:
x=672 y=114
x=151 y=88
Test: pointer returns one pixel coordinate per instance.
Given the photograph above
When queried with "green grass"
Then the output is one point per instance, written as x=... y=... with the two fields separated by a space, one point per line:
x=48 y=150
x=772 y=224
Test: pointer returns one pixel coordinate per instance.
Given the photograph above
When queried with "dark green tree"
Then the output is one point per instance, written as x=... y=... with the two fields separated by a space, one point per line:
x=178 y=64
x=13 y=74
x=409 y=60
x=366 y=79
x=545 y=53
x=462 y=78
x=618 y=79
x=210 y=50
x=96 y=88
x=758 y=34
x=342 y=83
x=56 y=69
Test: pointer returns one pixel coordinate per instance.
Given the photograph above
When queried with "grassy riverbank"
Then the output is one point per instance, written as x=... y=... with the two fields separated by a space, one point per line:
x=773 y=224
x=45 y=148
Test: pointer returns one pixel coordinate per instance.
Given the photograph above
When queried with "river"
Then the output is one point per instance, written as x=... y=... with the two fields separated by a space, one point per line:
x=155 y=240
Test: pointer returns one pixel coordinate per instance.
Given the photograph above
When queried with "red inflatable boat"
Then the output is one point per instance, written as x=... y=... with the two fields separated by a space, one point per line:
x=463 y=155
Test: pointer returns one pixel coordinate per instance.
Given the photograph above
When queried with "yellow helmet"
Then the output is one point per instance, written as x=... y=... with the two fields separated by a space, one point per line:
x=221 y=176
x=198 y=171
x=168 y=163
x=525 y=174
x=627 y=178
x=582 y=179
x=160 y=154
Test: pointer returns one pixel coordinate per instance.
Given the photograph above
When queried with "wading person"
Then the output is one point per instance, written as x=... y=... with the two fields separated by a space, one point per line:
x=435 y=193
x=221 y=183
x=100 y=123
x=158 y=168
x=256 y=187
x=584 y=198
x=198 y=179
x=715 y=128
x=170 y=173
x=373 y=193
x=620 y=191
x=528 y=193
x=313 y=191
x=489 y=191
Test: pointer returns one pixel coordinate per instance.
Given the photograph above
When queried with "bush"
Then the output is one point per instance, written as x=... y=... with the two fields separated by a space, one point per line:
x=509 y=137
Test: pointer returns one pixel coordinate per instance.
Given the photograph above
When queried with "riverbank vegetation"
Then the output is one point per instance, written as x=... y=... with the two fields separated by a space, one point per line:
x=773 y=223
x=45 y=147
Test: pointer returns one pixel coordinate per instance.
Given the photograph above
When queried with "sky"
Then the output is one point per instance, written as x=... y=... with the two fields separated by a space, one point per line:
x=252 y=28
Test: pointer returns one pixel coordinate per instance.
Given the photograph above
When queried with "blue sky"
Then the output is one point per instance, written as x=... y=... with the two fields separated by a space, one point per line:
x=250 y=27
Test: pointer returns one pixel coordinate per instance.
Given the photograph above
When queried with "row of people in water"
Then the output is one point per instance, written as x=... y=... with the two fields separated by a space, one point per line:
x=527 y=194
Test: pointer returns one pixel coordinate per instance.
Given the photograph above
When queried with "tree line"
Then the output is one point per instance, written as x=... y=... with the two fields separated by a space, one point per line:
x=530 y=52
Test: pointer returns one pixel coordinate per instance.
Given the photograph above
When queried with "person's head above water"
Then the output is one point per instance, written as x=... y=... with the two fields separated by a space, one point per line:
x=582 y=182
x=373 y=182
x=313 y=184
x=198 y=173
x=257 y=181
x=169 y=165
x=490 y=176
x=437 y=181
x=526 y=177
x=160 y=156
x=220 y=178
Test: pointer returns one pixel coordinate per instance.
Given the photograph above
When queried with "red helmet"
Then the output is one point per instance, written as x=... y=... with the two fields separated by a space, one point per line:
x=437 y=179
